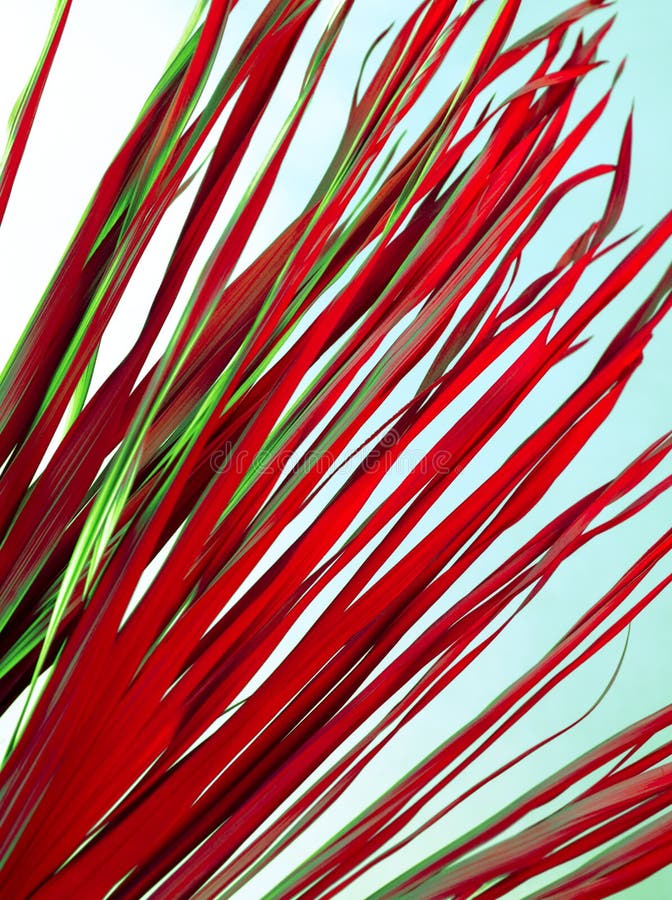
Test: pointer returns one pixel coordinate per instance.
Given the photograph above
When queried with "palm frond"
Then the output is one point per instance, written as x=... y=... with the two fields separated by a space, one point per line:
x=248 y=568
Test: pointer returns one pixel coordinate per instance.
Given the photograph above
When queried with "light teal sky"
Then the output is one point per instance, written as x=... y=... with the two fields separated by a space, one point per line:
x=110 y=57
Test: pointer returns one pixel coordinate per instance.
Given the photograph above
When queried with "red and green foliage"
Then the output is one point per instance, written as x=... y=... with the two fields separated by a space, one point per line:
x=239 y=575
